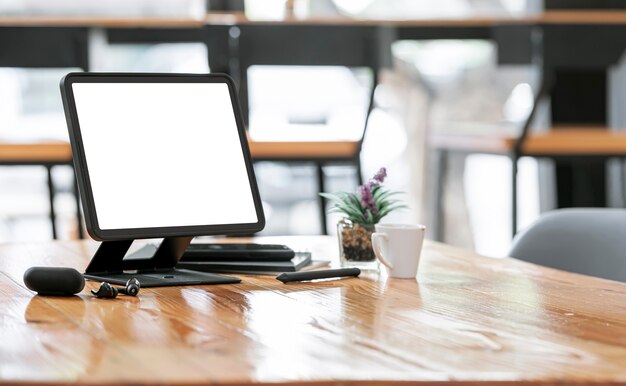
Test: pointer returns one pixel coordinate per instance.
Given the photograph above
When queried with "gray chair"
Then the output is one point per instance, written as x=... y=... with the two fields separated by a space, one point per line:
x=587 y=241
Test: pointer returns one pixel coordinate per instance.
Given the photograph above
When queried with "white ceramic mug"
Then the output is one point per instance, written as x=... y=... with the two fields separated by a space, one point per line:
x=398 y=247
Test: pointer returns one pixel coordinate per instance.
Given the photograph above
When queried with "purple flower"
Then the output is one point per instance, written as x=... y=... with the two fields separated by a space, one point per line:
x=367 y=198
x=379 y=177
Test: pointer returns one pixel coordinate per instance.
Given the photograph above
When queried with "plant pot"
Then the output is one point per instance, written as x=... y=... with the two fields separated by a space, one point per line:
x=355 y=245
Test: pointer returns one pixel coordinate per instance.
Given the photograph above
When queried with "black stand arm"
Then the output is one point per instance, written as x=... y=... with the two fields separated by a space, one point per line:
x=108 y=264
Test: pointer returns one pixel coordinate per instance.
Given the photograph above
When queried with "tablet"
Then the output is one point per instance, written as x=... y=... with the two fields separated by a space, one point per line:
x=160 y=155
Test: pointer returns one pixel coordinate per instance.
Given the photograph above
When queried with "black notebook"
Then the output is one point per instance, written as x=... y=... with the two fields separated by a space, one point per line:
x=301 y=260
x=237 y=252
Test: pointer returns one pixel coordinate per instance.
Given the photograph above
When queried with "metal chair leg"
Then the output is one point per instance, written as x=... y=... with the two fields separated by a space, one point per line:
x=322 y=201
x=514 y=167
x=51 y=200
x=79 y=217
x=440 y=172
x=359 y=170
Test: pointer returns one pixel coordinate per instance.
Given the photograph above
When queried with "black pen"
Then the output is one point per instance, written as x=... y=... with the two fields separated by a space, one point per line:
x=314 y=275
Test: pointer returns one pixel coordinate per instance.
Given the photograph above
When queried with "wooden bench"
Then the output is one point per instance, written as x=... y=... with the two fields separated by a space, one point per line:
x=315 y=152
x=50 y=154
x=559 y=142
x=36 y=153
x=331 y=150
x=47 y=154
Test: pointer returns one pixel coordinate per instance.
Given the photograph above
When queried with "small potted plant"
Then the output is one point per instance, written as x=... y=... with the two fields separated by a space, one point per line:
x=362 y=210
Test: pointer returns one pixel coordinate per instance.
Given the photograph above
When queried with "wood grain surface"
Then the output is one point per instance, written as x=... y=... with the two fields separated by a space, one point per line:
x=454 y=19
x=54 y=152
x=264 y=150
x=62 y=151
x=557 y=141
x=466 y=320
x=101 y=21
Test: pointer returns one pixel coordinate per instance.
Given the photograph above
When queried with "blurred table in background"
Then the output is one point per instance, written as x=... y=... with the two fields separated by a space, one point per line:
x=231 y=38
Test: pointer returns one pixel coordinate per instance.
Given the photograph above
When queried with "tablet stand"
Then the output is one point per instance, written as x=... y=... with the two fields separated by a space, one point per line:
x=108 y=264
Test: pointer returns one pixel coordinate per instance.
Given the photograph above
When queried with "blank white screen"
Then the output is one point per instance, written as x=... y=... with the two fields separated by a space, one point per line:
x=163 y=155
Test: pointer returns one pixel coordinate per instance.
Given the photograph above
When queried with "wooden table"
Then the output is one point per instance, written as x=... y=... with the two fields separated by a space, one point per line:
x=467 y=320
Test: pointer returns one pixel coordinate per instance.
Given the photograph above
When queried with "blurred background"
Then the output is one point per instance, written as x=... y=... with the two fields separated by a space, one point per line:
x=476 y=73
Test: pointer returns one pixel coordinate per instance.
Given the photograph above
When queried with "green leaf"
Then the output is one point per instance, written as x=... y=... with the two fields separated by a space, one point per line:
x=349 y=211
x=330 y=196
x=338 y=198
x=349 y=204
x=388 y=210
x=388 y=203
x=384 y=195
x=377 y=191
x=354 y=199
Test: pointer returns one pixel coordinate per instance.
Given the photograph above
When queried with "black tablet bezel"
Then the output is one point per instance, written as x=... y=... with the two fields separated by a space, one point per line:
x=82 y=171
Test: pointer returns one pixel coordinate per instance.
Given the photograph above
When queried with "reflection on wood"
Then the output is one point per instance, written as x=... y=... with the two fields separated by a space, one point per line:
x=467 y=318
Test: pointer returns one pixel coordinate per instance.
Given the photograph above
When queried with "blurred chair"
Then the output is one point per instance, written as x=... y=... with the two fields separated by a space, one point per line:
x=558 y=142
x=574 y=69
x=43 y=47
x=586 y=241
x=47 y=154
x=320 y=153
x=353 y=46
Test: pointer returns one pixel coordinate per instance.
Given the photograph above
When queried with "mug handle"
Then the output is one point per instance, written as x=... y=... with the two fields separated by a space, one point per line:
x=377 y=239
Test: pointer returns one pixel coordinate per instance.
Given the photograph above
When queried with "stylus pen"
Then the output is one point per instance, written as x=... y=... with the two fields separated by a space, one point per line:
x=313 y=275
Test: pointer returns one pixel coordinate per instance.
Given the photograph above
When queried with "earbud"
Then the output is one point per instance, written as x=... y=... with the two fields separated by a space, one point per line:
x=132 y=287
x=107 y=291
